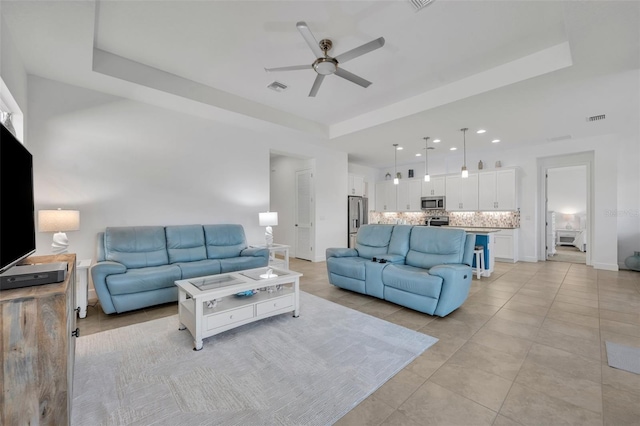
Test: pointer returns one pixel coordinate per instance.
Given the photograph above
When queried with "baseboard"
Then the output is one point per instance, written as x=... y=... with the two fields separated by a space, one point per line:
x=91 y=295
x=505 y=260
x=531 y=259
x=606 y=266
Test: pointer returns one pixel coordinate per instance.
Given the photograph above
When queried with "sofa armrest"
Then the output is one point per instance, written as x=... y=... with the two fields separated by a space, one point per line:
x=99 y=273
x=255 y=252
x=456 y=281
x=341 y=252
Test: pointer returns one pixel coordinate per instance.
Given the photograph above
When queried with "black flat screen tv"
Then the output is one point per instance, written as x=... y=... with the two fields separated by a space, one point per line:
x=17 y=218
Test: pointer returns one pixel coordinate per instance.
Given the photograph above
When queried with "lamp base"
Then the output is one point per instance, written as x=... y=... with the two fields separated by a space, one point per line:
x=60 y=243
x=268 y=236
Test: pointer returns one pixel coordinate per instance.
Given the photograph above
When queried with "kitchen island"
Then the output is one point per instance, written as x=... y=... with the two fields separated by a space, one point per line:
x=485 y=237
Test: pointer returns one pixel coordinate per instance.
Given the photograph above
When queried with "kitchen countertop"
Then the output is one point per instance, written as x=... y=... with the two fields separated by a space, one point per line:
x=478 y=229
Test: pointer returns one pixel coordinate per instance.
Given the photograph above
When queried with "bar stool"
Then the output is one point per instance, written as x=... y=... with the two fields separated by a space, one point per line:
x=478 y=252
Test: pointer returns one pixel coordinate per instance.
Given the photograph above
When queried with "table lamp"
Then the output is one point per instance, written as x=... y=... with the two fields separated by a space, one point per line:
x=268 y=219
x=59 y=221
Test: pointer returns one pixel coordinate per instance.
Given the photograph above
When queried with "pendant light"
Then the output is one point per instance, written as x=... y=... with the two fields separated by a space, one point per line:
x=396 y=181
x=427 y=178
x=465 y=172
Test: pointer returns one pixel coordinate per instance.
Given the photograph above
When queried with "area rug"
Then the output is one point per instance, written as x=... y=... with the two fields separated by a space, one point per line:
x=310 y=370
x=623 y=357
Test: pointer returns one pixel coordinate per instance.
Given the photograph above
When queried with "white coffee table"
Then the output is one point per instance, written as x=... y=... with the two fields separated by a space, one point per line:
x=210 y=305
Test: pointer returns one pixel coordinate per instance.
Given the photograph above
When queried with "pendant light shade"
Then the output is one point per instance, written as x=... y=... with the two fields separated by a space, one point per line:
x=396 y=181
x=427 y=178
x=465 y=172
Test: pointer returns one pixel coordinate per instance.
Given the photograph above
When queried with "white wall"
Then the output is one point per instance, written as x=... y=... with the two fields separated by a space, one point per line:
x=122 y=163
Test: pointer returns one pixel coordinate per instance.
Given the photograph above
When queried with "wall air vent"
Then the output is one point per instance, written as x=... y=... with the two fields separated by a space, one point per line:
x=277 y=86
x=420 y=4
x=596 y=117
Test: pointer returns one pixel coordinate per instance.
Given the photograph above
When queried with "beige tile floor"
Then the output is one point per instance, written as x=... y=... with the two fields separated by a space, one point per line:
x=527 y=347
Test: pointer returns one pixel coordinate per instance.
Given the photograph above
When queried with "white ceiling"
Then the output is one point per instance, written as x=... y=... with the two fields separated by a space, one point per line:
x=493 y=64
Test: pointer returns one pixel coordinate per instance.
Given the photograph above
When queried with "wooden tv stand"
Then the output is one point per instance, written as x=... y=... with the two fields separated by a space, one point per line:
x=38 y=348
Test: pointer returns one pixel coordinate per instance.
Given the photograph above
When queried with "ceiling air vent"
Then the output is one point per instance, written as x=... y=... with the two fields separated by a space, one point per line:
x=420 y=4
x=596 y=117
x=277 y=86
x=559 y=138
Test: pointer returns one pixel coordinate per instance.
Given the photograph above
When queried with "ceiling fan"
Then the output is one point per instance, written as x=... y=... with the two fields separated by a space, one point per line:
x=326 y=65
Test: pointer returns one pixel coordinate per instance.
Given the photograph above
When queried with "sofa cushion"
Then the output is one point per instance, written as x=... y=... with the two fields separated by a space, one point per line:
x=199 y=268
x=412 y=280
x=431 y=246
x=224 y=241
x=399 y=242
x=373 y=240
x=143 y=279
x=240 y=263
x=185 y=243
x=352 y=267
x=136 y=246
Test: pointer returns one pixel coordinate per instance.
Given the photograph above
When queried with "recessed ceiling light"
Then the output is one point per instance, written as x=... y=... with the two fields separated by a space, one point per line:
x=481 y=131
x=399 y=148
x=436 y=140
x=495 y=141
x=418 y=155
x=453 y=148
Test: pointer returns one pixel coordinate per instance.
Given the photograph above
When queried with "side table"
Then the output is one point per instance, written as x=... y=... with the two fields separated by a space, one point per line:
x=82 y=286
x=276 y=248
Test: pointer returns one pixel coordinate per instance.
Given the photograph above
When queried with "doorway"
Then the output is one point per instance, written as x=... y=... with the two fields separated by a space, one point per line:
x=567 y=237
x=292 y=195
x=566 y=208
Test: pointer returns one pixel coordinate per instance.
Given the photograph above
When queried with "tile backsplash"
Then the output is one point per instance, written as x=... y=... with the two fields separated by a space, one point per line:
x=470 y=219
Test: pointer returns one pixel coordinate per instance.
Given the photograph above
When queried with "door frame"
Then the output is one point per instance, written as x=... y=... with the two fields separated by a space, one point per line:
x=312 y=212
x=545 y=163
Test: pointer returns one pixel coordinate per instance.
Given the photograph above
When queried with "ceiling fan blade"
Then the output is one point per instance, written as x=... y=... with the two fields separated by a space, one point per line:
x=316 y=85
x=341 y=72
x=310 y=39
x=291 y=68
x=361 y=50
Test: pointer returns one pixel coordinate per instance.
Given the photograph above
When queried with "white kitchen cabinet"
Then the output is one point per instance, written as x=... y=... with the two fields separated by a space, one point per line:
x=461 y=194
x=435 y=187
x=356 y=185
x=506 y=245
x=497 y=190
x=386 y=197
x=409 y=194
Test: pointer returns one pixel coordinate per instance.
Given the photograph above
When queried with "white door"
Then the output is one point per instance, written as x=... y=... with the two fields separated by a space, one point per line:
x=304 y=214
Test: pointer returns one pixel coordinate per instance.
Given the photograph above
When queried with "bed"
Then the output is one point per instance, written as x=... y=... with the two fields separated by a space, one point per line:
x=572 y=237
x=580 y=240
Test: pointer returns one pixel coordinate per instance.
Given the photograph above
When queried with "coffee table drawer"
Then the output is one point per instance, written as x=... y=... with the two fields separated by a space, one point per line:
x=225 y=318
x=274 y=305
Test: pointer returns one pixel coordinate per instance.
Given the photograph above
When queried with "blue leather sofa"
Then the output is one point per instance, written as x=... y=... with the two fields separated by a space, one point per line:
x=427 y=269
x=137 y=266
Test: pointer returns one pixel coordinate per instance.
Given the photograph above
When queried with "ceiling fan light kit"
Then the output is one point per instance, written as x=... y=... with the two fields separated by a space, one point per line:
x=326 y=65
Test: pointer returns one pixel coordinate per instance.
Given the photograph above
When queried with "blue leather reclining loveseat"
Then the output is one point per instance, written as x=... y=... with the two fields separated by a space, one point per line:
x=427 y=269
x=138 y=265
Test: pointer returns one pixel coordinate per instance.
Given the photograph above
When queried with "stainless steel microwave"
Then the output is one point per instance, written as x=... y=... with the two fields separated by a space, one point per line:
x=433 y=203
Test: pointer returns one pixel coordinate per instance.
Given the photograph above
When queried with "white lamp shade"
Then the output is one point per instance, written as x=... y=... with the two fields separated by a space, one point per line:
x=268 y=218
x=58 y=220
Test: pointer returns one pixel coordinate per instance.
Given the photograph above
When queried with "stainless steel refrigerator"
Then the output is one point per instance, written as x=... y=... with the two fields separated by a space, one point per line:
x=358 y=215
